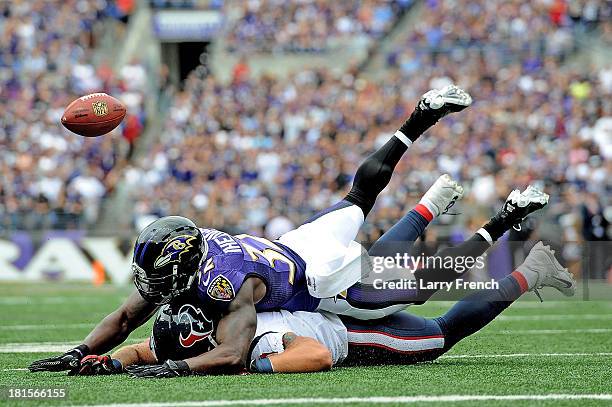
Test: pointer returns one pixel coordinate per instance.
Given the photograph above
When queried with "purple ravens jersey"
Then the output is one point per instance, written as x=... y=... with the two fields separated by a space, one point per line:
x=232 y=259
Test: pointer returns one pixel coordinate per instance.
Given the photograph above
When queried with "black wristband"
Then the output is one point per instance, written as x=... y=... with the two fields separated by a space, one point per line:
x=117 y=365
x=179 y=365
x=262 y=365
x=182 y=365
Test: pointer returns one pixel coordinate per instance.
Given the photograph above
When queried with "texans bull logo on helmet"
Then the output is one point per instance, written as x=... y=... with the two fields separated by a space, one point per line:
x=173 y=250
x=199 y=326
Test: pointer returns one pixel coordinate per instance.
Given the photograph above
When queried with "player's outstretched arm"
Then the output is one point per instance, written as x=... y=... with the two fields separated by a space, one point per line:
x=116 y=327
x=110 y=332
x=234 y=335
x=302 y=355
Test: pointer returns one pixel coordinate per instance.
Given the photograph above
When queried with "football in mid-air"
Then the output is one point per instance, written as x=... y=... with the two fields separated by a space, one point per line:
x=93 y=115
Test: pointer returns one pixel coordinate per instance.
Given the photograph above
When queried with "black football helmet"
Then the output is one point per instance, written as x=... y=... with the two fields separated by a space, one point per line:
x=167 y=256
x=182 y=330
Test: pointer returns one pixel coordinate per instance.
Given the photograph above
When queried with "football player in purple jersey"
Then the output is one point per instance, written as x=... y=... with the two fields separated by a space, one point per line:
x=238 y=275
x=186 y=327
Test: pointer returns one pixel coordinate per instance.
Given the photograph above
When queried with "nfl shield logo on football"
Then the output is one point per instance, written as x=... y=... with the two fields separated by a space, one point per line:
x=100 y=108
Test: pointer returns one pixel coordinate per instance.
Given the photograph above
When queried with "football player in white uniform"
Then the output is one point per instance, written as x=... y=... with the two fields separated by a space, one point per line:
x=312 y=341
x=291 y=342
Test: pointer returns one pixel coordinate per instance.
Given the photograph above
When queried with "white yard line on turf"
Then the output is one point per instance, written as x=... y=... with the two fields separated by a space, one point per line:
x=53 y=300
x=555 y=317
x=539 y=305
x=549 y=331
x=37 y=327
x=34 y=347
x=47 y=327
x=41 y=347
x=482 y=356
x=525 y=355
x=368 y=400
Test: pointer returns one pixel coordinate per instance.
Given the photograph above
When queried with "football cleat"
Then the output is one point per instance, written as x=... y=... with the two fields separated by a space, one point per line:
x=520 y=204
x=440 y=102
x=442 y=195
x=434 y=105
x=542 y=261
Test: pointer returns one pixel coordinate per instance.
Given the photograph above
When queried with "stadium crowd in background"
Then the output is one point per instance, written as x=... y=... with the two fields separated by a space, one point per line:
x=308 y=26
x=263 y=154
x=238 y=156
x=51 y=179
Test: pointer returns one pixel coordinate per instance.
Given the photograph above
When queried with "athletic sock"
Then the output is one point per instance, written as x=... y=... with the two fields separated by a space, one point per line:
x=403 y=138
x=495 y=228
x=525 y=277
x=426 y=208
x=417 y=124
x=398 y=239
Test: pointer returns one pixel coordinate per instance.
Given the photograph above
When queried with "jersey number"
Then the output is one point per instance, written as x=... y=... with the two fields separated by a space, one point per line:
x=260 y=248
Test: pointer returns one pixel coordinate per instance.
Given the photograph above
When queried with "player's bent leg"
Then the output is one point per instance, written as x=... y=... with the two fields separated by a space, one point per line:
x=405 y=339
x=324 y=238
x=540 y=269
x=401 y=338
x=341 y=221
x=375 y=172
x=366 y=301
x=517 y=206
x=329 y=269
x=326 y=243
x=369 y=301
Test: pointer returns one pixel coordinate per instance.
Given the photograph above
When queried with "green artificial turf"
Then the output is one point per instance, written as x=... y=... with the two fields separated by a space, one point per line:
x=561 y=338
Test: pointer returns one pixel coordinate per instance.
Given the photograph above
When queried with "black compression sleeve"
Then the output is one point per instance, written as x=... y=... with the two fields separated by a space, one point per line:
x=374 y=174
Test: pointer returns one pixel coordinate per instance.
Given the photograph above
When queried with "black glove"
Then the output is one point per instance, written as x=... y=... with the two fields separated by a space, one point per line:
x=94 y=365
x=171 y=368
x=67 y=361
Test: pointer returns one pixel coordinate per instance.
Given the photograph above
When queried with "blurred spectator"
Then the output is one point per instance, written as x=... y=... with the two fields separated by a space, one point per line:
x=307 y=25
x=237 y=156
x=49 y=174
x=131 y=131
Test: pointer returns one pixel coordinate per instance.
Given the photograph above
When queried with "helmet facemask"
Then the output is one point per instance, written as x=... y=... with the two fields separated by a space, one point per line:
x=160 y=286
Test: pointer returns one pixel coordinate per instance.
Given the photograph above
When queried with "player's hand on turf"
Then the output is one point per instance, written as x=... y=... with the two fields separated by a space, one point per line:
x=171 y=368
x=68 y=361
x=94 y=365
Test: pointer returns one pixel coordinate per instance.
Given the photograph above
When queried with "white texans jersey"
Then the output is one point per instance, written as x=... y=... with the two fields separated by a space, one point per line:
x=324 y=327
